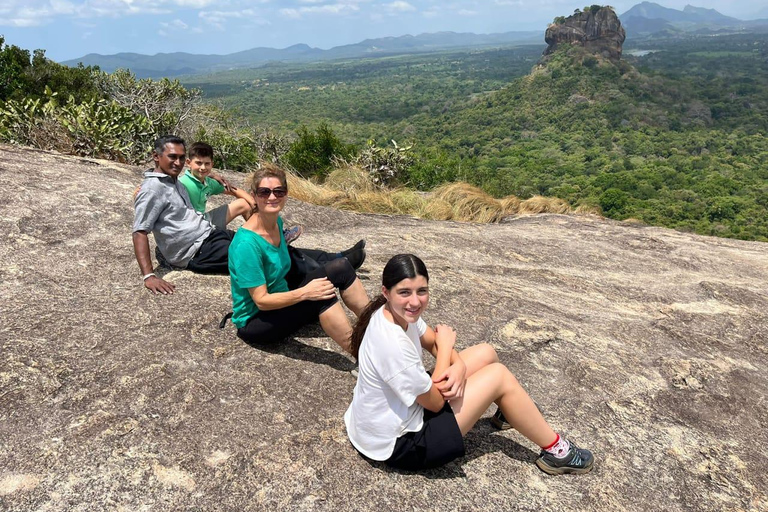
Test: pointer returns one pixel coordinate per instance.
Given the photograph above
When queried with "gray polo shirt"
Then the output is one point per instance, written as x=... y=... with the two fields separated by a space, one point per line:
x=162 y=206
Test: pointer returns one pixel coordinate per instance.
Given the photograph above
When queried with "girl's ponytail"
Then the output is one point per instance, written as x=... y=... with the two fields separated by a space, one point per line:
x=362 y=324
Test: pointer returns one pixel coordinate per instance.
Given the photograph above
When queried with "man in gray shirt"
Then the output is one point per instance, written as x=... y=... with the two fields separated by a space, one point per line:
x=184 y=237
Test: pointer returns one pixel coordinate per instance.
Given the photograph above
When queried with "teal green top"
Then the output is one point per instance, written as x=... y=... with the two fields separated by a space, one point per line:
x=253 y=262
x=200 y=192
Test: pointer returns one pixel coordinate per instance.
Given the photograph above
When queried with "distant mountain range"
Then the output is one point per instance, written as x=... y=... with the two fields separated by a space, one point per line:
x=643 y=20
x=648 y=18
x=175 y=64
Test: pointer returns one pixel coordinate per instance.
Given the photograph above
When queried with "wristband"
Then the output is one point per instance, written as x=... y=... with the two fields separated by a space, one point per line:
x=151 y=274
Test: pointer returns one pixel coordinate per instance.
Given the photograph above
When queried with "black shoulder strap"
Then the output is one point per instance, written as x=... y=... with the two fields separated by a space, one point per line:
x=224 y=319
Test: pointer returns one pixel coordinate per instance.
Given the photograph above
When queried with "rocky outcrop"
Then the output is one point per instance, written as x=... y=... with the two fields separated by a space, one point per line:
x=598 y=32
x=644 y=344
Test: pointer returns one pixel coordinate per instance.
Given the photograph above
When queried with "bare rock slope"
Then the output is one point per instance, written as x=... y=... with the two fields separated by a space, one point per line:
x=644 y=344
x=599 y=32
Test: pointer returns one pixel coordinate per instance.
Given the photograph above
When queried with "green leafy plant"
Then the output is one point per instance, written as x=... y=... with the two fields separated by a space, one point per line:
x=385 y=165
x=313 y=153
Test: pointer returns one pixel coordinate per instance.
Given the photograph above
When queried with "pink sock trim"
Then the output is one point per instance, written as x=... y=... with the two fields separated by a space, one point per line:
x=557 y=439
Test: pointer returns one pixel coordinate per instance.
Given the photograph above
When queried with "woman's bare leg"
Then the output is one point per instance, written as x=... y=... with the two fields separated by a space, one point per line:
x=355 y=297
x=495 y=383
x=335 y=323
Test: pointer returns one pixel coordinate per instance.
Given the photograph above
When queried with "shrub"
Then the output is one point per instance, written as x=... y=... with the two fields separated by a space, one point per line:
x=613 y=201
x=164 y=103
x=94 y=128
x=313 y=153
x=387 y=165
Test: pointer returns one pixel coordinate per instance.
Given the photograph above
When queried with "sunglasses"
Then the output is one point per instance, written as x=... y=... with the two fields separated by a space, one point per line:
x=264 y=192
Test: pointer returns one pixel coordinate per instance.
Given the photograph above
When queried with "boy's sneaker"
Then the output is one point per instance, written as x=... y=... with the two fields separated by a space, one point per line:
x=293 y=233
x=577 y=460
x=355 y=371
x=499 y=421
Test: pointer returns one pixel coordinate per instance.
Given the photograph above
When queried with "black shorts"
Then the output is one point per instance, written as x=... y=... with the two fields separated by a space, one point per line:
x=218 y=217
x=438 y=442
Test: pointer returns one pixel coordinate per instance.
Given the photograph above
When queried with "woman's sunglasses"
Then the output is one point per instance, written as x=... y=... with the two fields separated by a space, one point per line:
x=264 y=192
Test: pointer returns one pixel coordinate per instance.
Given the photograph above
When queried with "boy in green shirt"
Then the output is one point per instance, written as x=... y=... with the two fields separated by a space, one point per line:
x=201 y=183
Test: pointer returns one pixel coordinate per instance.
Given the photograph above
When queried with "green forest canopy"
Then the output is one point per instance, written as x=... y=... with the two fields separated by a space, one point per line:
x=675 y=138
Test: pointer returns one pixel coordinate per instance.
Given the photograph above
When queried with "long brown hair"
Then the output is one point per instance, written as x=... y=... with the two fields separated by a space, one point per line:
x=399 y=267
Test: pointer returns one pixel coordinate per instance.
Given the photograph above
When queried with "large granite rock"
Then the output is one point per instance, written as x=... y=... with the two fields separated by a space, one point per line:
x=599 y=32
x=644 y=344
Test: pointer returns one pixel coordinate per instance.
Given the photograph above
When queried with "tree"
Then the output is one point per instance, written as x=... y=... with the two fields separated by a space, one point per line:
x=313 y=153
x=13 y=63
x=166 y=104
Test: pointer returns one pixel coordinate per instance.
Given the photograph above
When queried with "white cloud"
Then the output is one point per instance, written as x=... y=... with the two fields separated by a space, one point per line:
x=399 y=6
x=22 y=22
x=338 y=8
x=290 y=13
x=176 y=24
x=195 y=4
x=466 y=12
x=217 y=19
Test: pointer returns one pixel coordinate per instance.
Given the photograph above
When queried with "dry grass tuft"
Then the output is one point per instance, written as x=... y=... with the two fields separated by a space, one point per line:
x=589 y=209
x=350 y=179
x=369 y=202
x=541 y=204
x=510 y=205
x=436 y=209
x=407 y=201
x=304 y=190
x=632 y=220
x=350 y=188
x=469 y=203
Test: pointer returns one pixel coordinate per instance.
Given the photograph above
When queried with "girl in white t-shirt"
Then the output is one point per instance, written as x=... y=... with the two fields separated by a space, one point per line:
x=401 y=415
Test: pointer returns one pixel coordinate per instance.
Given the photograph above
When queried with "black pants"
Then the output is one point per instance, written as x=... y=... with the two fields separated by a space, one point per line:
x=213 y=255
x=277 y=324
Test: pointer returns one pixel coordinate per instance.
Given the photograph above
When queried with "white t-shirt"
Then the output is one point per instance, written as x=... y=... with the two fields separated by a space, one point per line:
x=391 y=376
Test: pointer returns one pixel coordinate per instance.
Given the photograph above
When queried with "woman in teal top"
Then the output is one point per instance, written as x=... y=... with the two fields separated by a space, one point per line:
x=265 y=308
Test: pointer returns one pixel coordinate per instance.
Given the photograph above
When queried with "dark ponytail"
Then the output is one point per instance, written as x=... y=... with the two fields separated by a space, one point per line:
x=402 y=266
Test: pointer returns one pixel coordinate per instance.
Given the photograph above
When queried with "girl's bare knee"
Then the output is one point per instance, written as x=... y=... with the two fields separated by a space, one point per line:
x=489 y=353
x=507 y=378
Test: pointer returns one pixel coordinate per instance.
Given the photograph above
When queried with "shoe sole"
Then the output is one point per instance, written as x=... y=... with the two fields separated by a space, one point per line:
x=564 y=470
x=500 y=425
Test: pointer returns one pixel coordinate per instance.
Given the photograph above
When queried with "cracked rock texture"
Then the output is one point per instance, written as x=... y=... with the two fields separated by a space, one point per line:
x=646 y=345
x=597 y=32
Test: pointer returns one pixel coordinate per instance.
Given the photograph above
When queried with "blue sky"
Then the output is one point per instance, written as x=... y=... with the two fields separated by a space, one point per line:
x=68 y=29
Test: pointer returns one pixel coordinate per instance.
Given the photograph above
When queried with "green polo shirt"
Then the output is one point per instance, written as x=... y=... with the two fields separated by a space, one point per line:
x=253 y=262
x=200 y=192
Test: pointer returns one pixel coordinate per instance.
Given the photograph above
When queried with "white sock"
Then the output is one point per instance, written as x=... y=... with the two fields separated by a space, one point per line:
x=559 y=448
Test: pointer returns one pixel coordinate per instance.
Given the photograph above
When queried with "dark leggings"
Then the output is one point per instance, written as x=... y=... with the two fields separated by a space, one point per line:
x=277 y=324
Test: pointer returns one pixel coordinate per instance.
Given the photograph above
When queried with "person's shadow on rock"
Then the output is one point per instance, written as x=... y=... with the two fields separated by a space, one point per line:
x=478 y=442
x=293 y=348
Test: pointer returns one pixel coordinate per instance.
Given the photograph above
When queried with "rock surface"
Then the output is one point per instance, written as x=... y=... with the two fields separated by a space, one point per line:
x=598 y=32
x=646 y=345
